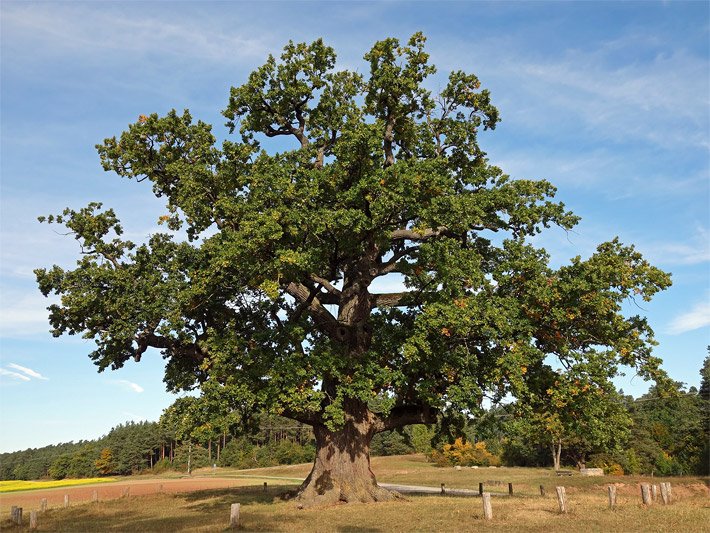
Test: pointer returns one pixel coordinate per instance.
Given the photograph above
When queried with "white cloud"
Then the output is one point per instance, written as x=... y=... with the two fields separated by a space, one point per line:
x=13 y=375
x=23 y=312
x=693 y=250
x=130 y=385
x=698 y=317
x=660 y=98
x=28 y=371
x=88 y=31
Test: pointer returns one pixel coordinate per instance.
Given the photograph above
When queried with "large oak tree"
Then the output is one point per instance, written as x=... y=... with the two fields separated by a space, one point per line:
x=271 y=292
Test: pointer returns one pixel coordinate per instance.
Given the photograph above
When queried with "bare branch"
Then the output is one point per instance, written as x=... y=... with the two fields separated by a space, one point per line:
x=392 y=299
x=308 y=300
x=325 y=284
x=391 y=265
x=310 y=419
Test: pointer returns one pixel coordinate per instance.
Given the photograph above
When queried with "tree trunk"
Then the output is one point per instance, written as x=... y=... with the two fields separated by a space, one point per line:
x=556 y=448
x=341 y=471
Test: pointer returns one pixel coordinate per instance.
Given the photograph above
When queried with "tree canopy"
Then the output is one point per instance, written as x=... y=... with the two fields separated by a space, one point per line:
x=271 y=292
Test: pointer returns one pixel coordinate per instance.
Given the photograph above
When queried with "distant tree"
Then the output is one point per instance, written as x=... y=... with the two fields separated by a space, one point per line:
x=59 y=468
x=578 y=409
x=668 y=432
x=104 y=464
x=273 y=292
x=704 y=397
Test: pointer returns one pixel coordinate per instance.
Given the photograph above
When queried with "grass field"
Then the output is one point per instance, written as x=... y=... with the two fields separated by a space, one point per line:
x=208 y=510
x=16 y=486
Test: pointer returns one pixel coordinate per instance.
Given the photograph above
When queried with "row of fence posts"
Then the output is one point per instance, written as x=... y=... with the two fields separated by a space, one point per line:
x=488 y=508
x=16 y=512
x=649 y=494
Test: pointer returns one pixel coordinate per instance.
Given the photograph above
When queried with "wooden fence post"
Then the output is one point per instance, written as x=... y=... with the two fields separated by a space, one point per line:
x=480 y=489
x=13 y=512
x=542 y=490
x=612 y=496
x=66 y=500
x=562 y=499
x=33 y=520
x=664 y=493
x=234 y=516
x=510 y=489
x=487 y=508
x=645 y=493
x=17 y=518
x=265 y=486
x=43 y=505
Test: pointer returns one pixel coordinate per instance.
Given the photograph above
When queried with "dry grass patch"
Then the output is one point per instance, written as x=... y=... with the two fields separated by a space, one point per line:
x=208 y=510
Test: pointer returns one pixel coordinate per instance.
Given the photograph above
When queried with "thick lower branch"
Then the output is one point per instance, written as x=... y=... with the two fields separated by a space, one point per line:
x=151 y=340
x=393 y=299
x=310 y=419
x=405 y=415
x=312 y=303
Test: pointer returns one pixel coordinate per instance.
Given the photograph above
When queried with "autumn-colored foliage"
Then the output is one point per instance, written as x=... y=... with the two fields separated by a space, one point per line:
x=464 y=454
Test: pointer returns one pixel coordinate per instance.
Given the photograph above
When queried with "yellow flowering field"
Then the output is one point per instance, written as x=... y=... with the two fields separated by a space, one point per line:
x=14 y=486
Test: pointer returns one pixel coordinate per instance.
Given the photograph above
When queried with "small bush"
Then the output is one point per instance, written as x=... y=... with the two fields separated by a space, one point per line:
x=464 y=454
x=162 y=466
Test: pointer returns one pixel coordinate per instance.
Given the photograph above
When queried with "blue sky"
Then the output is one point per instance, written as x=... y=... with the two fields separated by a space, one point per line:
x=608 y=101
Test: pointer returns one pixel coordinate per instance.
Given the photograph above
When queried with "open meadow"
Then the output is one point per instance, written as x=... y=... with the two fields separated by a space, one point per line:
x=202 y=503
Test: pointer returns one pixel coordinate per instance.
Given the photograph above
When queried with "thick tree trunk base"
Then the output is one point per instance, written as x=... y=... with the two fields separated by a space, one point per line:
x=341 y=471
x=324 y=491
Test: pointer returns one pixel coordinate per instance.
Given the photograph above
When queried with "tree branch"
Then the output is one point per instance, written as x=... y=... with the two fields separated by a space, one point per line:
x=310 y=419
x=392 y=299
x=411 y=235
x=308 y=300
x=149 y=339
x=391 y=265
x=325 y=284
x=405 y=415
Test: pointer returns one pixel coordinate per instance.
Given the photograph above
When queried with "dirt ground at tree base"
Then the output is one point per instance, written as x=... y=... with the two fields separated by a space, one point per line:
x=30 y=500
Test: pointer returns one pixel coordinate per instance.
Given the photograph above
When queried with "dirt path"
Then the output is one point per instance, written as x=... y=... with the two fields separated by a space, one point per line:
x=29 y=500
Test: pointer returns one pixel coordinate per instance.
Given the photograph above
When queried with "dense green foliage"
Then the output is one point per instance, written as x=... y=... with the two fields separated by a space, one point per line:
x=665 y=432
x=126 y=449
x=386 y=178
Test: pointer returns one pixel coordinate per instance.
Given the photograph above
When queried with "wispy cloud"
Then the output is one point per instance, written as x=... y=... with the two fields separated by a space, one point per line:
x=659 y=99
x=14 y=375
x=130 y=385
x=23 y=312
x=698 y=317
x=62 y=28
x=27 y=371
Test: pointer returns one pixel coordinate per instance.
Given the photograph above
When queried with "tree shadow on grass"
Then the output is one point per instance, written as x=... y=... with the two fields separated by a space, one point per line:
x=205 y=510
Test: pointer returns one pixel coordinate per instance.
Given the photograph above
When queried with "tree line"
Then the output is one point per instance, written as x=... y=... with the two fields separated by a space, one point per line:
x=664 y=432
